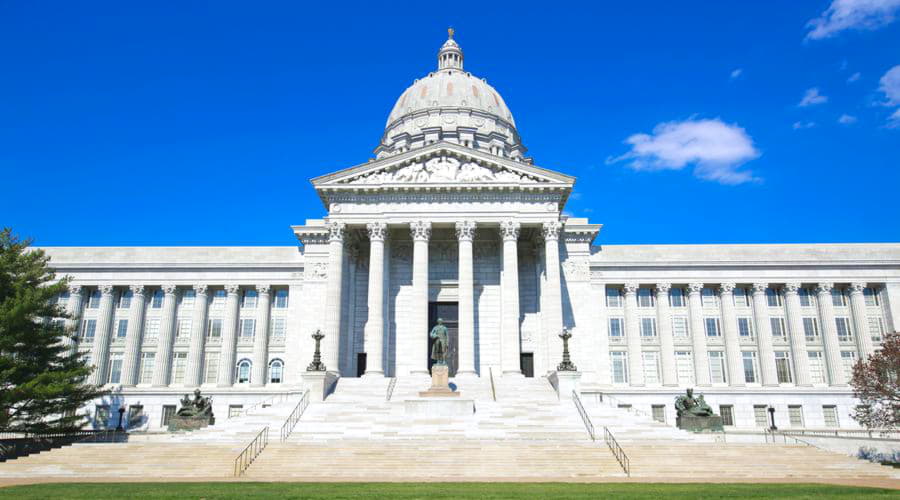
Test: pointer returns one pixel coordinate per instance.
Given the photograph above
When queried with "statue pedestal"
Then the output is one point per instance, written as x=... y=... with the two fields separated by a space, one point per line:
x=699 y=424
x=440 y=384
x=565 y=383
x=180 y=423
x=319 y=384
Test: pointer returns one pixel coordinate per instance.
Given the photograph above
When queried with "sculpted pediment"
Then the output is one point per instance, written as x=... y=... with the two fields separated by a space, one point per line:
x=442 y=170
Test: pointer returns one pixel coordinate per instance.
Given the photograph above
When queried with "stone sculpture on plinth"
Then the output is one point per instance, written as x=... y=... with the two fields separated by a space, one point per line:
x=194 y=414
x=695 y=415
x=440 y=372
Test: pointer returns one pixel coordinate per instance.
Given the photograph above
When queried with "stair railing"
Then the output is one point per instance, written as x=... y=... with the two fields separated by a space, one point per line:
x=584 y=416
x=256 y=446
x=390 y=389
x=617 y=451
x=493 y=389
x=294 y=417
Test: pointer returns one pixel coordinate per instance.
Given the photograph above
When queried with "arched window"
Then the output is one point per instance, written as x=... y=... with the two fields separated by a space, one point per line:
x=276 y=371
x=243 y=371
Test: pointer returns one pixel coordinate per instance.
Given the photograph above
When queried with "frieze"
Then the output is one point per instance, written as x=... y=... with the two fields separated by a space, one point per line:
x=445 y=197
x=442 y=170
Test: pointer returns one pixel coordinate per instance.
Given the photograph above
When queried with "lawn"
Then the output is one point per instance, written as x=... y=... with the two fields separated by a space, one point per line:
x=431 y=491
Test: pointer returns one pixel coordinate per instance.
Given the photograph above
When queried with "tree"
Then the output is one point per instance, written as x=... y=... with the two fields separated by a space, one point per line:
x=42 y=381
x=876 y=383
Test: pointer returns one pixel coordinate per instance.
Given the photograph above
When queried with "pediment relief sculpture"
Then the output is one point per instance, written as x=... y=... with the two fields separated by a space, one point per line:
x=440 y=171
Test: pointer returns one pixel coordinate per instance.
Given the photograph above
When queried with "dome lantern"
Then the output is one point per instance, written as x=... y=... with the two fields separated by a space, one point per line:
x=450 y=56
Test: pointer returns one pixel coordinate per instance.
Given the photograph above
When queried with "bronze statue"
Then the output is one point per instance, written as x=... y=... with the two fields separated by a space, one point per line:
x=440 y=351
x=200 y=406
x=691 y=406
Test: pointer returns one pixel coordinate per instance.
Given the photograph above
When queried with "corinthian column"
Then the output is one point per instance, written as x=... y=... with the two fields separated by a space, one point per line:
x=73 y=308
x=261 y=338
x=193 y=377
x=166 y=330
x=698 y=334
x=509 y=329
x=829 y=334
x=373 y=338
x=860 y=322
x=421 y=233
x=764 y=334
x=664 y=327
x=132 y=359
x=633 y=336
x=798 y=336
x=465 y=233
x=100 y=349
x=732 y=339
x=551 y=306
x=225 y=377
x=333 y=295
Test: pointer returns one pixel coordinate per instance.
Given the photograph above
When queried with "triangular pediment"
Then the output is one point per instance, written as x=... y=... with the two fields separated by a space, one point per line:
x=444 y=164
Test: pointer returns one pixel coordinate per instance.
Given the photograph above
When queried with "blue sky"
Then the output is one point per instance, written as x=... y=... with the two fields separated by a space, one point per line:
x=200 y=123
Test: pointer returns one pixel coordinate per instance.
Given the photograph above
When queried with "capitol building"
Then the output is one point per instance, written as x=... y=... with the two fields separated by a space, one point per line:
x=452 y=219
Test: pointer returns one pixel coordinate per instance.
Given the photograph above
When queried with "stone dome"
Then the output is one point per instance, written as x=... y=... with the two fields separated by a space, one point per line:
x=452 y=105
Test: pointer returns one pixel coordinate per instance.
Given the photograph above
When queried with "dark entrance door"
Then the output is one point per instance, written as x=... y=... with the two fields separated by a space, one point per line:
x=527 y=360
x=449 y=312
x=360 y=364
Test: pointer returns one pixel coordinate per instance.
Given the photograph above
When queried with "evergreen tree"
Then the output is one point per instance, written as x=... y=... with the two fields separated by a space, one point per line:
x=42 y=382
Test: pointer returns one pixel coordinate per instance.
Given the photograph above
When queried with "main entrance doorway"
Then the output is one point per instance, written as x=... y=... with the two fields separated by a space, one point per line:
x=449 y=312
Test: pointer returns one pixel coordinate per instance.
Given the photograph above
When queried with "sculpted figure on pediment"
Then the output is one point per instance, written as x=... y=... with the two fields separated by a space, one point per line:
x=442 y=169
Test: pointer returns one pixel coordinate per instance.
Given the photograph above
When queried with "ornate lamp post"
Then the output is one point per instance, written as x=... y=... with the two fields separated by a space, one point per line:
x=119 y=427
x=317 y=365
x=566 y=365
x=772 y=419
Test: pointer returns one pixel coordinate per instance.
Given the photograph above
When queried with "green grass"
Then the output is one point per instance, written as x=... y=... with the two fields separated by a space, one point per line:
x=431 y=491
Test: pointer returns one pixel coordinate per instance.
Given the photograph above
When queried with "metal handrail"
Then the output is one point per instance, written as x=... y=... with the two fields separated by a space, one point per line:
x=849 y=433
x=256 y=446
x=294 y=417
x=390 y=389
x=493 y=389
x=617 y=451
x=584 y=416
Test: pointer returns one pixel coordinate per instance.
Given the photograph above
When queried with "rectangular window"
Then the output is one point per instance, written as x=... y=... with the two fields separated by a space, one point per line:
x=773 y=297
x=88 y=329
x=62 y=300
x=146 y=372
x=871 y=296
x=783 y=367
x=167 y=414
x=616 y=327
x=659 y=413
x=235 y=410
x=795 y=414
x=188 y=298
x=278 y=328
x=619 y=367
x=101 y=416
x=749 y=359
x=848 y=359
x=179 y=365
x=816 y=367
x=115 y=368
x=676 y=297
x=135 y=416
x=121 y=328
x=684 y=365
x=778 y=329
x=717 y=367
x=218 y=301
x=830 y=416
x=727 y=413
x=157 y=301
x=248 y=300
x=210 y=367
x=745 y=328
x=215 y=328
x=679 y=327
x=93 y=300
x=614 y=297
x=645 y=298
x=838 y=297
x=876 y=329
x=648 y=327
x=711 y=325
x=125 y=299
x=651 y=367
x=281 y=298
x=741 y=297
x=248 y=328
x=811 y=329
x=709 y=297
x=807 y=297
x=184 y=329
x=759 y=415
x=152 y=328
x=843 y=329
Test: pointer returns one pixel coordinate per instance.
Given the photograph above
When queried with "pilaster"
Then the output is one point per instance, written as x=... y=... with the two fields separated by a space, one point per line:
x=100 y=349
x=664 y=329
x=698 y=334
x=373 y=338
x=166 y=330
x=194 y=375
x=261 y=337
x=732 y=338
x=510 y=340
x=465 y=234
x=860 y=321
x=829 y=335
x=799 y=354
x=133 y=336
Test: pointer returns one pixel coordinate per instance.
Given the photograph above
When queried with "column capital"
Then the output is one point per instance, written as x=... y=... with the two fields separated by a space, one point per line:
x=106 y=289
x=377 y=231
x=550 y=230
x=169 y=289
x=792 y=288
x=663 y=288
x=420 y=230
x=336 y=231
x=727 y=287
x=824 y=287
x=263 y=289
x=630 y=288
x=857 y=287
x=695 y=287
x=509 y=230
x=233 y=289
x=760 y=288
x=465 y=230
x=137 y=290
x=74 y=289
x=201 y=288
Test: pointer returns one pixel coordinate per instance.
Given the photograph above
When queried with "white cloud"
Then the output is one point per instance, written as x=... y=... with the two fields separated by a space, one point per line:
x=737 y=73
x=852 y=14
x=811 y=97
x=894 y=120
x=854 y=77
x=846 y=119
x=890 y=85
x=715 y=148
x=803 y=125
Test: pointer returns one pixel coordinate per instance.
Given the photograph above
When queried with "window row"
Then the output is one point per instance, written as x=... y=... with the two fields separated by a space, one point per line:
x=124 y=298
x=760 y=415
x=179 y=367
x=743 y=297
x=247 y=328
